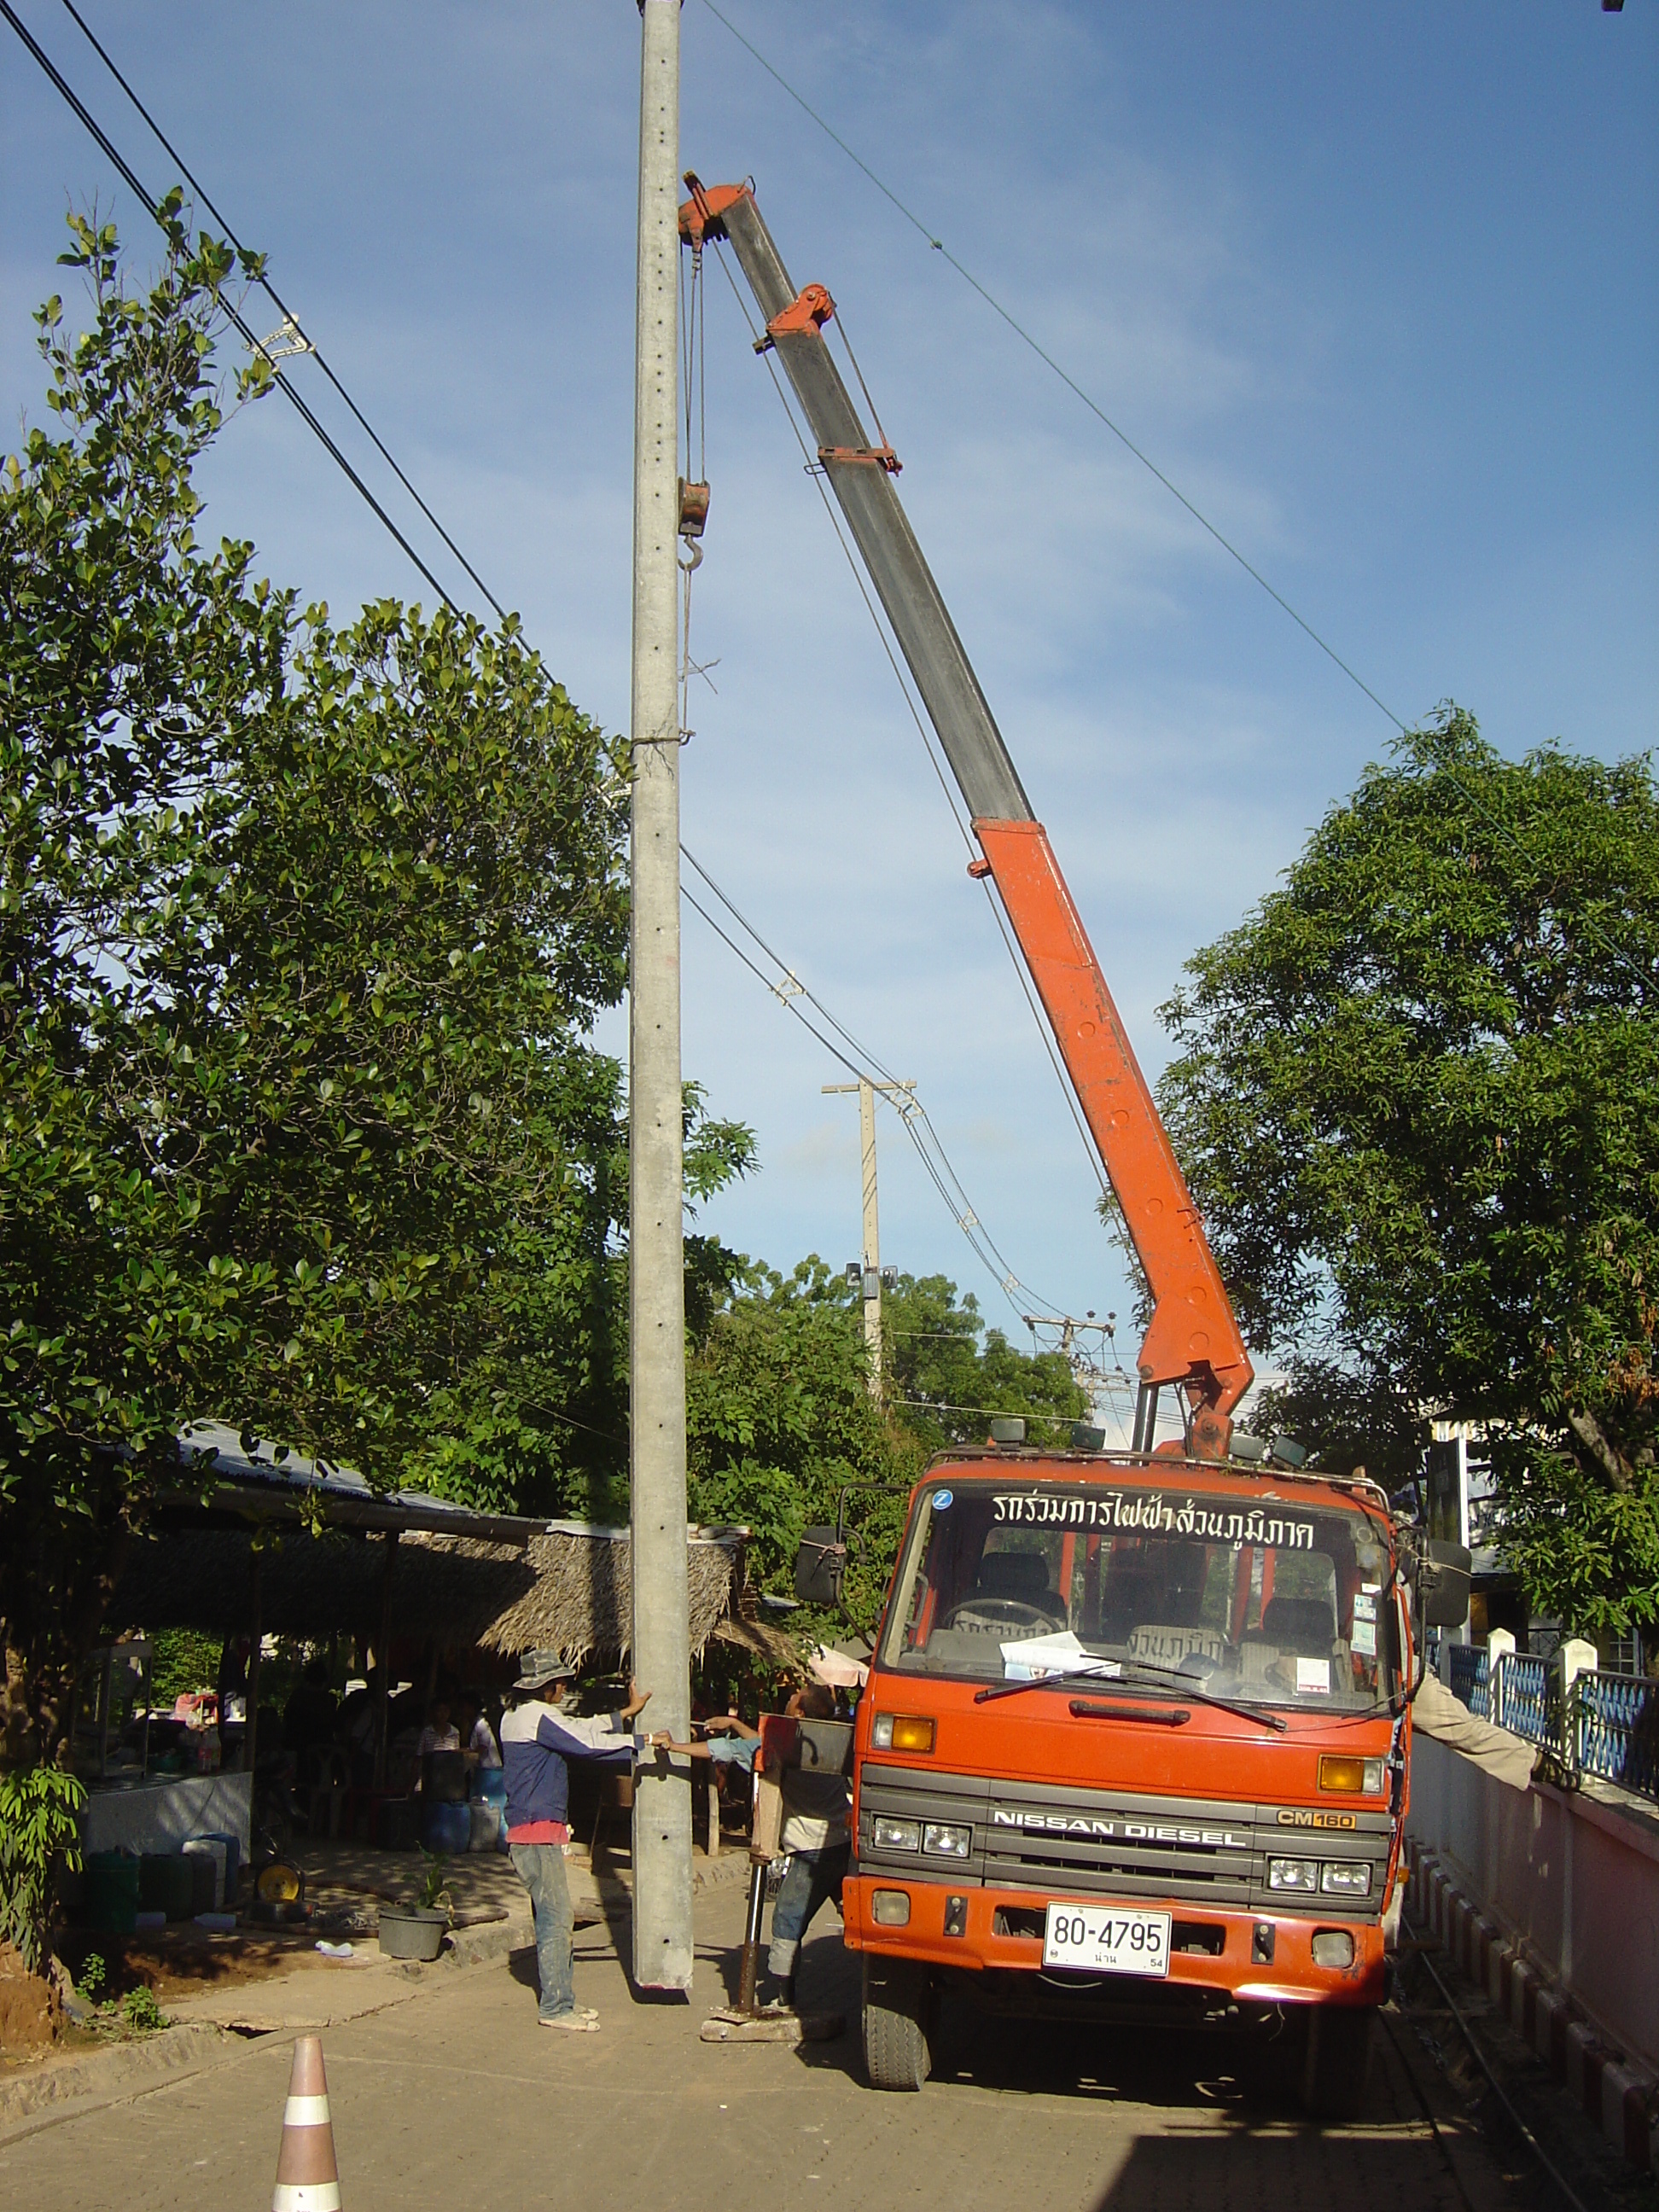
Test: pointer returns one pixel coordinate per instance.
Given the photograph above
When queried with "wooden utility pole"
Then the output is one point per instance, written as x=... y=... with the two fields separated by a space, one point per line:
x=870 y=1273
x=661 y=1630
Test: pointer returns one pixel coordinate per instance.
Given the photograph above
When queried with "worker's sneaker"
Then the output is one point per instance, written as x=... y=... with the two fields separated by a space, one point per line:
x=575 y=2023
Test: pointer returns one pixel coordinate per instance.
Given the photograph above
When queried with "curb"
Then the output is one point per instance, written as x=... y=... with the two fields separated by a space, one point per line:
x=107 y=2073
x=1610 y=2088
x=98 y=2077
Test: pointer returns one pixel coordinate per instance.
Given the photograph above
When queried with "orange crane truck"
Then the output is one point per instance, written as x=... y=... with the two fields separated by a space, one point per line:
x=1136 y=1739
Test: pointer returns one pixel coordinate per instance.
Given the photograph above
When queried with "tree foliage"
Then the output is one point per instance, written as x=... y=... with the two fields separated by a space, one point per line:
x=782 y=1425
x=303 y=928
x=1417 y=1096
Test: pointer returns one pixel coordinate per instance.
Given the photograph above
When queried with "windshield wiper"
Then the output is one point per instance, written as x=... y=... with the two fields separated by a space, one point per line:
x=1188 y=1688
x=1083 y=1677
x=1090 y=1678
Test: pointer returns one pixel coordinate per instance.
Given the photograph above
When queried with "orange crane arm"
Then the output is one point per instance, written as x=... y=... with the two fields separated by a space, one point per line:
x=1192 y=1344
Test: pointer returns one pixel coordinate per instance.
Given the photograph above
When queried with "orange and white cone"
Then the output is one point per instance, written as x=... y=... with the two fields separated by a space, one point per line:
x=307 y=2177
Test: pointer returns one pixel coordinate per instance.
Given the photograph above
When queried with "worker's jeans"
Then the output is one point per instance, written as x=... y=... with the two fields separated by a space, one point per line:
x=813 y=1877
x=541 y=1869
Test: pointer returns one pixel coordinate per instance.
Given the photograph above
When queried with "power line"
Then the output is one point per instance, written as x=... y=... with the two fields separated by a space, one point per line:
x=939 y=1169
x=123 y=169
x=938 y=247
x=287 y=313
x=1415 y=740
x=914 y=1116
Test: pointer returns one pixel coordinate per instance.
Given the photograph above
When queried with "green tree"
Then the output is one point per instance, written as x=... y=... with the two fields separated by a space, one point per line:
x=1417 y=1096
x=782 y=1422
x=303 y=931
x=946 y=1382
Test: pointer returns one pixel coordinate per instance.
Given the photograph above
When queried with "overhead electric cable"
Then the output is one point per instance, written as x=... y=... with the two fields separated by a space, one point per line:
x=125 y=171
x=913 y=1115
x=1065 y=375
x=287 y=313
x=917 y=1124
x=866 y=1067
x=1415 y=739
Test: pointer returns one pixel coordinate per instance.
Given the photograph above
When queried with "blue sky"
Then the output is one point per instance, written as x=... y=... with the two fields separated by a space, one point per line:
x=1378 y=288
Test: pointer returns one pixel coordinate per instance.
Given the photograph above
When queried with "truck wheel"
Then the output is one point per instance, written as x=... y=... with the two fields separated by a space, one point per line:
x=1338 y=2059
x=898 y=2023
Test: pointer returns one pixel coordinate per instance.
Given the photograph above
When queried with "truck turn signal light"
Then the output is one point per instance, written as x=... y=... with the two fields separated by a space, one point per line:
x=1361 y=1777
x=903 y=1732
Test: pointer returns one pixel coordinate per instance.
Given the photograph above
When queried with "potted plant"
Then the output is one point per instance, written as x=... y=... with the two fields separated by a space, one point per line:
x=416 y=1931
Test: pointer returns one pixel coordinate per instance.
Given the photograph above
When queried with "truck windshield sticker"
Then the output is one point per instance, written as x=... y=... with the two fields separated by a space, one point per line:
x=942 y=1500
x=1153 y=1513
x=1313 y=1678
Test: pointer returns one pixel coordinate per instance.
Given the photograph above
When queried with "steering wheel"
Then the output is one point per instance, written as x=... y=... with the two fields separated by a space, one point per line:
x=1001 y=1613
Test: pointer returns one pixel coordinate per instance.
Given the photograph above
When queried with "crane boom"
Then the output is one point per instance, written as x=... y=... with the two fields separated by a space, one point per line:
x=1192 y=1343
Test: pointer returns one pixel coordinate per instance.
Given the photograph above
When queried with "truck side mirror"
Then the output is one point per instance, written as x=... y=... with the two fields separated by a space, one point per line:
x=819 y=1565
x=1442 y=1584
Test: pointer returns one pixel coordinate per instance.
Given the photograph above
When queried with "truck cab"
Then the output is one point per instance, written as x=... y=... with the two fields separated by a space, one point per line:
x=1133 y=1746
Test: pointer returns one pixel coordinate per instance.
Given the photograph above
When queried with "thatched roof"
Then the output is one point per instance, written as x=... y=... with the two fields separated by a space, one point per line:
x=569 y=1587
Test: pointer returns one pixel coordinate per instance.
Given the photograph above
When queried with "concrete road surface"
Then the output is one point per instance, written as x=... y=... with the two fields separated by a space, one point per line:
x=457 y=2098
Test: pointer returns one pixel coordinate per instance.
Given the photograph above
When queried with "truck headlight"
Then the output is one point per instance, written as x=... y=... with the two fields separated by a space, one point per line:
x=1293 y=1874
x=947 y=1842
x=1345 y=1878
x=887 y=1834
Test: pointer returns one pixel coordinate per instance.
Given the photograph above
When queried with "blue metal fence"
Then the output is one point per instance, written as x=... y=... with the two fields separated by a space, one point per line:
x=1523 y=1697
x=1469 y=1678
x=1607 y=1724
x=1616 y=1729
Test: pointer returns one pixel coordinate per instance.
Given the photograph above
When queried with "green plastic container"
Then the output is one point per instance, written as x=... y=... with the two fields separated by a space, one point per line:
x=110 y=1894
x=166 y=1883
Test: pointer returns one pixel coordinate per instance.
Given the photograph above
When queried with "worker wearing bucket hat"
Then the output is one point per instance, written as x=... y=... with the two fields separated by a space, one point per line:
x=540 y=1732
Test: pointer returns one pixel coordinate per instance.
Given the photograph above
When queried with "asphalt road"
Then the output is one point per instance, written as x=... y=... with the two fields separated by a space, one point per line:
x=456 y=2098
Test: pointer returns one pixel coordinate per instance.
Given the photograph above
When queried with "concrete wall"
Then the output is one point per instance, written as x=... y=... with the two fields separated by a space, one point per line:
x=158 y=1816
x=1572 y=1880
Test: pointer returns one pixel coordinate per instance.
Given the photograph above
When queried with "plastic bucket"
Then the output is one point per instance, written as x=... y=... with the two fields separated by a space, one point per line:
x=412 y=1931
x=444 y=1775
x=166 y=1883
x=233 y=1860
x=210 y=1851
x=110 y=1897
x=446 y=1827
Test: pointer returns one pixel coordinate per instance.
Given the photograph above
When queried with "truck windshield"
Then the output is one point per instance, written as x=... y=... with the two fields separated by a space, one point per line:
x=1268 y=1600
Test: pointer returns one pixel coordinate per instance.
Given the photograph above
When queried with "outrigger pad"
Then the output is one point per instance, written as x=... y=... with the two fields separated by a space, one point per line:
x=730 y=2026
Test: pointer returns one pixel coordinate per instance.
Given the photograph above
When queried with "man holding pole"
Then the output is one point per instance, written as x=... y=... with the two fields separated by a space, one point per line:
x=540 y=1732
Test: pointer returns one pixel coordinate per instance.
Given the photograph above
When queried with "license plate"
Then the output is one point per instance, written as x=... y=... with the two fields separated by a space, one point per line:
x=1107 y=1938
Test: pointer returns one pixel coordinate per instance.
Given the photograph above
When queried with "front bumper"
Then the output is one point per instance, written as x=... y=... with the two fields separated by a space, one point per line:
x=1212 y=1949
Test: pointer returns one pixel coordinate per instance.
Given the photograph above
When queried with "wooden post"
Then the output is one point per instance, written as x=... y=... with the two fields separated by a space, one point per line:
x=384 y=1655
x=251 y=1733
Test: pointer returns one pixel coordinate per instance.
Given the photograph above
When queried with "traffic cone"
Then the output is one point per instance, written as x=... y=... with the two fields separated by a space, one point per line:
x=307 y=2179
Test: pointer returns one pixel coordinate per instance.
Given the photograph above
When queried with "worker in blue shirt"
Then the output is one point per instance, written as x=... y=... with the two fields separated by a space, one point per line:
x=540 y=1732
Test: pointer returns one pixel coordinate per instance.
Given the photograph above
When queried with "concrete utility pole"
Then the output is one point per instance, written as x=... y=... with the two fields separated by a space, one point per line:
x=871 y=1284
x=661 y=1632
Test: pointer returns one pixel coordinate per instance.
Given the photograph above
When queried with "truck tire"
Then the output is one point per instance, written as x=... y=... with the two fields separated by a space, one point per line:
x=898 y=2023
x=1337 y=2060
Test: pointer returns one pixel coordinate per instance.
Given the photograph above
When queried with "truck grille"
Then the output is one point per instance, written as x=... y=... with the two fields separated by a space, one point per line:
x=1080 y=1842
